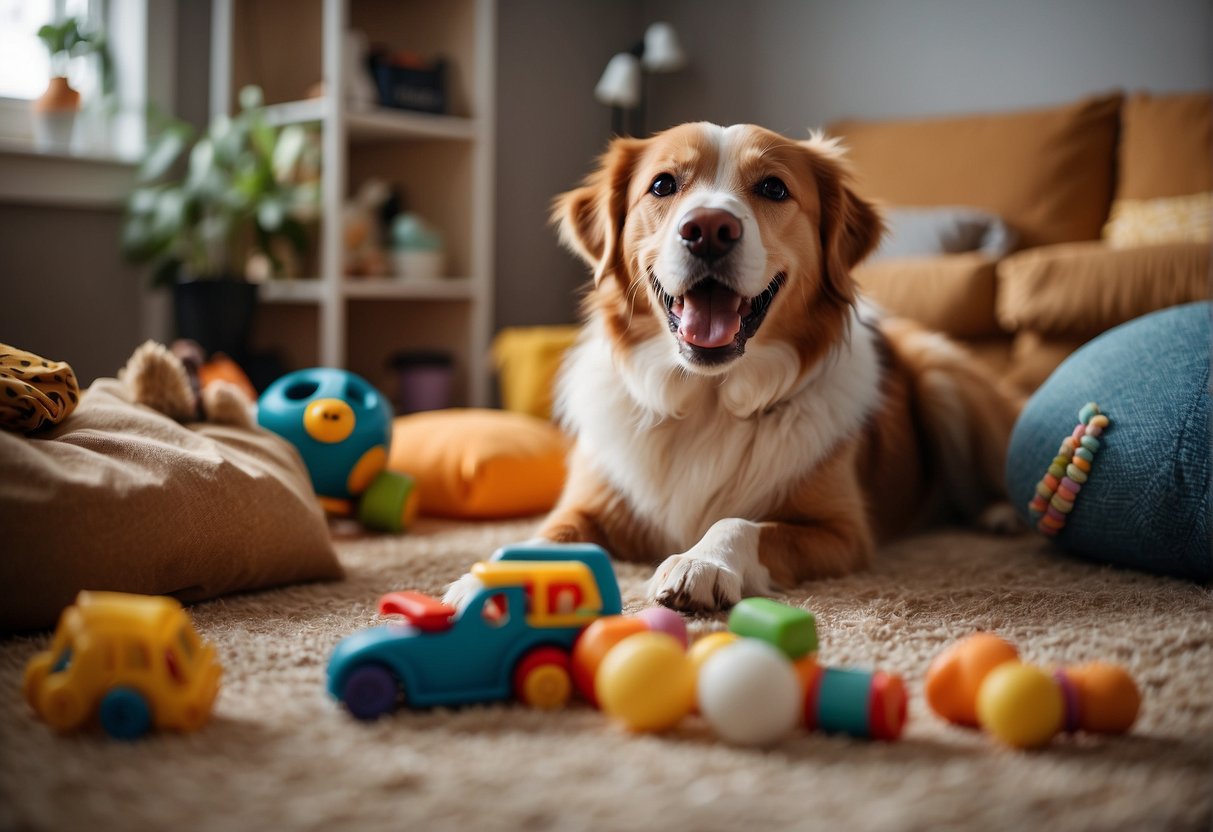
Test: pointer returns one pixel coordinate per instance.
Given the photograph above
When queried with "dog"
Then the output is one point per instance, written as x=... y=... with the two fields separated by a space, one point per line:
x=740 y=414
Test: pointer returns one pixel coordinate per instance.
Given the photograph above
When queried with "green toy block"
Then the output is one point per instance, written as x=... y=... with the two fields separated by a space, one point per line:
x=389 y=504
x=792 y=630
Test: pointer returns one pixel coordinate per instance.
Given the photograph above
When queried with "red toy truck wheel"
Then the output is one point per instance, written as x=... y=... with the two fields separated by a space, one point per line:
x=542 y=679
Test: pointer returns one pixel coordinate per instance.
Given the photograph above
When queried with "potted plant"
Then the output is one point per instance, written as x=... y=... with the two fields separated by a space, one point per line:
x=243 y=200
x=55 y=111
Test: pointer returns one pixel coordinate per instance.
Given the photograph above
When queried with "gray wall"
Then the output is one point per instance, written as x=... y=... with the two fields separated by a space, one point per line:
x=67 y=295
x=549 y=128
x=795 y=64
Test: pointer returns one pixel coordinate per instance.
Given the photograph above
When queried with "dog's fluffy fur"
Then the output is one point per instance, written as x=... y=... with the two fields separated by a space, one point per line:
x=740 y=414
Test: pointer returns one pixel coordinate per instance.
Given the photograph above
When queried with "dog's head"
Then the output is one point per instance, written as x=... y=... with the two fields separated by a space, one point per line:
x=712 y=236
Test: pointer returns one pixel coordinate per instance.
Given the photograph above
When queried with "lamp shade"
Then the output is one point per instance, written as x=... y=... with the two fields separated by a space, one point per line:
x=619 y=85
x=662 y=51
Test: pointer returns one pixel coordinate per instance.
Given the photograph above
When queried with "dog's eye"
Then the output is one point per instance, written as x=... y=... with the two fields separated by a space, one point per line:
x=663 y=185
x=773 y=188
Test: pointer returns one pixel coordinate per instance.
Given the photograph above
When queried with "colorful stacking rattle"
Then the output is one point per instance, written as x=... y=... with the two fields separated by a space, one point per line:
x=341 y=426
x=1058 y=489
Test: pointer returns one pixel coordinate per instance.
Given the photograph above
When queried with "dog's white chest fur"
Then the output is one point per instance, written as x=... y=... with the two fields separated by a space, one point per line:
x=687 y=450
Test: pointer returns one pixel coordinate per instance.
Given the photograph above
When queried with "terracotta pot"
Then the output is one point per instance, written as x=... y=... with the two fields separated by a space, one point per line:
x=54 y=118
x=58 y=98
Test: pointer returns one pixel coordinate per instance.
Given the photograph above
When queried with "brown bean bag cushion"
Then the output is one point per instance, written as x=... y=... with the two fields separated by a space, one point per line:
x=121 y=497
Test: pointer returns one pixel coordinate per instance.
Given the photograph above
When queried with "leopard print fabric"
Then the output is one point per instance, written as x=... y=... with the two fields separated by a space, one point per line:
x=34 y=392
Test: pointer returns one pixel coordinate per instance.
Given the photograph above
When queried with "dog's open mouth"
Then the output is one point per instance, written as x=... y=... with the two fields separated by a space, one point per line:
x=713 y=322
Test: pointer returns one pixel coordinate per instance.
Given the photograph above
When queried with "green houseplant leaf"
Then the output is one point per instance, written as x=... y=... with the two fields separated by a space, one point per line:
x=203 y=200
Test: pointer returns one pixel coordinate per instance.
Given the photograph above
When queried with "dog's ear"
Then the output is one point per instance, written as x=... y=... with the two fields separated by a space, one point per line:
x=590 y=218
x=851 y=227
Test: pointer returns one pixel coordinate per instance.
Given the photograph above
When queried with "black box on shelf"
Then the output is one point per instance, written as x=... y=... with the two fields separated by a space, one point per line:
x=406 y=81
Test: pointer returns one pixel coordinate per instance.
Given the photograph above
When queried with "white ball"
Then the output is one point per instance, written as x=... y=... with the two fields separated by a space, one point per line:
x=749 y=693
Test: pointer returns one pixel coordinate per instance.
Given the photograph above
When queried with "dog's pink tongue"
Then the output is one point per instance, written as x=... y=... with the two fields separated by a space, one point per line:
x=710 y=316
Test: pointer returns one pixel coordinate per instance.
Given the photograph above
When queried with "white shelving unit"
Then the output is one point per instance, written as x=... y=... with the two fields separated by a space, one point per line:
x=442 y=163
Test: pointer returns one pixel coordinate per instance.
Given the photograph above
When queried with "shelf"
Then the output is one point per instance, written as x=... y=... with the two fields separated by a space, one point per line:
x=312 y=290
x=383 y=123
x=440 y=288
x=442 y=163
x=308 y=111
x=299 y=290
x=375 y=124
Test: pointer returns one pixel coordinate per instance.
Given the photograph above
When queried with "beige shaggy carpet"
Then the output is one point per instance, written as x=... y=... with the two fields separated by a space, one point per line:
x=280 y=756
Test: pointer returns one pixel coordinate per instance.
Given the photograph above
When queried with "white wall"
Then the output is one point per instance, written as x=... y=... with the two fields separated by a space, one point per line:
x=794 y=64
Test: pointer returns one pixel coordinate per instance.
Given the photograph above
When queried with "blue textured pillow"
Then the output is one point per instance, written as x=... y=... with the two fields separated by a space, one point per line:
x=1146 y=503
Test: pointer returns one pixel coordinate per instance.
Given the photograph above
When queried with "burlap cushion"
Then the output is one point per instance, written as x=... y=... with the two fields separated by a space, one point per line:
x=1047 y=172
x=952 y=293
x=1081 y=289
x=121 y=497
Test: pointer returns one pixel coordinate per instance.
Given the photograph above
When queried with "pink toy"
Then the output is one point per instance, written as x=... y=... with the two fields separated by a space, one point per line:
x=665 y=620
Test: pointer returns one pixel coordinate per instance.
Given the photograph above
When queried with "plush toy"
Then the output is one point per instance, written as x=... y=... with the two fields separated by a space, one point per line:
x=341 y=426
x=364 y=254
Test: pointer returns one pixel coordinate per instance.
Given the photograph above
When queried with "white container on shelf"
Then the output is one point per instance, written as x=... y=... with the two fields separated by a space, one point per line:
x=416 y=248
x=419 y=264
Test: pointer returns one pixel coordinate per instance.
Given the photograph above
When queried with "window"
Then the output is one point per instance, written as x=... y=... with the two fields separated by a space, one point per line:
x=24 y=62
x=88 y=160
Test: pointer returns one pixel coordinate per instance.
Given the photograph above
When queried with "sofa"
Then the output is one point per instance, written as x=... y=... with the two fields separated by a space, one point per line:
x=1022 y=234
x=1026 y=234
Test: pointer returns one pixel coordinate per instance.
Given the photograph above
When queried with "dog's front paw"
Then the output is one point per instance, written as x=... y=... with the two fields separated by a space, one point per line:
x=691 y=584
x=461 y=591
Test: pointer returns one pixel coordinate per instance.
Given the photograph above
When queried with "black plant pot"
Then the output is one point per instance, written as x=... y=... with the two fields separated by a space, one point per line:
x=218 y=314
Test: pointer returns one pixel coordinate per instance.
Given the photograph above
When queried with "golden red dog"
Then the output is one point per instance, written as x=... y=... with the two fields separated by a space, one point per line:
x=740 y=415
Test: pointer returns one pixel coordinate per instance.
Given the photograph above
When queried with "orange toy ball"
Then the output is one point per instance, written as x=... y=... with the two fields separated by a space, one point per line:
x=955 y=676
x=1108 y=698
x=594 y=643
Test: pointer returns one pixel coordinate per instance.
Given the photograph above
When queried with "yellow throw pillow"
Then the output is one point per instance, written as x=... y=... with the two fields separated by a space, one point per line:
x=1173 y=219
x=527 y=360
x=480 y=464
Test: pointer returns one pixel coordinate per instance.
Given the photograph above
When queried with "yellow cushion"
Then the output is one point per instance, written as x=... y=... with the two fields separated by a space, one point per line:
x=527 y=360
x=480 y=464
x=1175 y=219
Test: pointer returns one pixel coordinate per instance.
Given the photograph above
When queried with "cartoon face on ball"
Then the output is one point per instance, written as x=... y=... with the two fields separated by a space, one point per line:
x=338 y=421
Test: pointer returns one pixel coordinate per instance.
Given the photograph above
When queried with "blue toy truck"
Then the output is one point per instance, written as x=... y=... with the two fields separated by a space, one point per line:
x=511 y=639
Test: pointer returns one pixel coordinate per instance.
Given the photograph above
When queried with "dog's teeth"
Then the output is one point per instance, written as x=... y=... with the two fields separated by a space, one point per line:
x=676 y=307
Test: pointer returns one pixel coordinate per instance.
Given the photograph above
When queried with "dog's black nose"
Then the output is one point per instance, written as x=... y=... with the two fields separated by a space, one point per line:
x=709 y=232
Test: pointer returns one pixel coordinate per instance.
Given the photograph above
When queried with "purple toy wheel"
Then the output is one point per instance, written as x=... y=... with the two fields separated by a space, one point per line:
x=370 y=692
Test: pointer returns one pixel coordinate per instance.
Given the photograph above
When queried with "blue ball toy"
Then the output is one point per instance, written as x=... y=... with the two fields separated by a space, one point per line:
x=340 y=424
